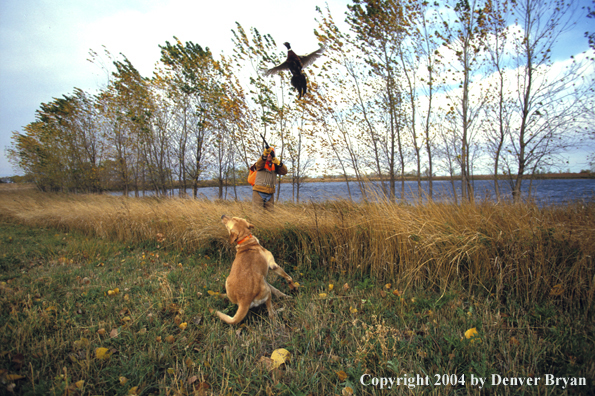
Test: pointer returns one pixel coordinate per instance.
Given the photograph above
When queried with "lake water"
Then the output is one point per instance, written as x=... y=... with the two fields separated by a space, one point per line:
x=547 y=191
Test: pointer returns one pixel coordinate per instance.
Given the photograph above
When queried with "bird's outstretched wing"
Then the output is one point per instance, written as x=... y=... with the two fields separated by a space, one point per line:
x=310 y=58
x=276 y=69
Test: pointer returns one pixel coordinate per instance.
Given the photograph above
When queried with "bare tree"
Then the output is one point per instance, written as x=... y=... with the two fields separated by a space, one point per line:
x=379 y=27
x=547 y=102
x=498 y=109
x=431 y=63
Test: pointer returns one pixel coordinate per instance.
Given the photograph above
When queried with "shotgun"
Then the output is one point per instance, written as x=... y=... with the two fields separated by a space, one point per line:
x=266 y=145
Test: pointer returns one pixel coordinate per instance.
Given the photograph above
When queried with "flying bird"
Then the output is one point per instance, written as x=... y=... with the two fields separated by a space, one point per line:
x=295 y=63
x=298 y=81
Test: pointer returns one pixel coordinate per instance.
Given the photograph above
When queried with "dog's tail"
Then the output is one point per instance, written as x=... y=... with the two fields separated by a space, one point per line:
x=238 y=317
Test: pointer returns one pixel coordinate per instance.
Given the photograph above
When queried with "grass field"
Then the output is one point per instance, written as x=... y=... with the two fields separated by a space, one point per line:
x=104 y=295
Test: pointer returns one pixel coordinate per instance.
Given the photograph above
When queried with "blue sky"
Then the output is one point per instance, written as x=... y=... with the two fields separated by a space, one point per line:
x=45 y=44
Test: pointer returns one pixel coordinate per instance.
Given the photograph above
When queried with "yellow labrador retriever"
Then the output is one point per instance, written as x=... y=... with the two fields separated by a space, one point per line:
x=246 y=284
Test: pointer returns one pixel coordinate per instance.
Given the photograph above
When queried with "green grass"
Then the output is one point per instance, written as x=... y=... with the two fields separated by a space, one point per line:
x=54 y=302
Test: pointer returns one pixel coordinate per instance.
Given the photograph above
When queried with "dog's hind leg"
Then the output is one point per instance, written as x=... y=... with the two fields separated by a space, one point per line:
x=269 y=304
x=276 y=292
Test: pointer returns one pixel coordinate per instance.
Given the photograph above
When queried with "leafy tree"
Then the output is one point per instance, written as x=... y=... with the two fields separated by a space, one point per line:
x=464 y=33
x=379 y=27
x=62 y=148
x=187 y=79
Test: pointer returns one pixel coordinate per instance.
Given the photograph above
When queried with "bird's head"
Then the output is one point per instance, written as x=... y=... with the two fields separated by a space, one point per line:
x=287 y=45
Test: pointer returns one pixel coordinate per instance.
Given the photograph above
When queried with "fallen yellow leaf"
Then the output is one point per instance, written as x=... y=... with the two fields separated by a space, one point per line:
x=388 y=285
x=330 y=287
x=123 y=380
x=183 y=325
x=353 y=310
x=322 y=295
x=171 y=371
x=279 y=357
x=342 y=375
x=472 y=332
x=133 y=390
x=102 y=353
x=212 y=293
x=347 y=391
x=79 y=384
x=101 y=331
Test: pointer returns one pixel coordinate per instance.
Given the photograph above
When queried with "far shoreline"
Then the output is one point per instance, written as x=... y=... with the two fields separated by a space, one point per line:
x=569 y=176
x=333 y=179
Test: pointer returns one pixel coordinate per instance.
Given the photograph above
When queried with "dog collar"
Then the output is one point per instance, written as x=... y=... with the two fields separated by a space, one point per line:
x=244 y=239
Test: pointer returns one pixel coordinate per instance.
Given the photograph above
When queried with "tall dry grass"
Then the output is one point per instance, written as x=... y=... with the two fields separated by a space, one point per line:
x=531 y=252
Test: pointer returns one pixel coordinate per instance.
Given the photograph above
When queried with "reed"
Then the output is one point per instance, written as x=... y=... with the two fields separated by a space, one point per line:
x=532 y=252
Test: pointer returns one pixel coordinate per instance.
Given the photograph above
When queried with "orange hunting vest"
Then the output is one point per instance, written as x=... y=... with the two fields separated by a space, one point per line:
x=253 y=171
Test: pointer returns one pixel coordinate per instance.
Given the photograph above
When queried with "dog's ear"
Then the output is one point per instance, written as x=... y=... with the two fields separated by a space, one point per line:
x=233 y=236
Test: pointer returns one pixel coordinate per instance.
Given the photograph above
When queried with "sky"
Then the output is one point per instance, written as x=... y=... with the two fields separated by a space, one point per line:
x=44 y=45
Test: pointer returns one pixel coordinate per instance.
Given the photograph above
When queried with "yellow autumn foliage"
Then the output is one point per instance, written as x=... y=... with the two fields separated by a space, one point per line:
x=102 y=353
x=280 y=356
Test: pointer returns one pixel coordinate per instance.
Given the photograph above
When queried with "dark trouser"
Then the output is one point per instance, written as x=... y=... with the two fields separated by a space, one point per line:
x=258 y=203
